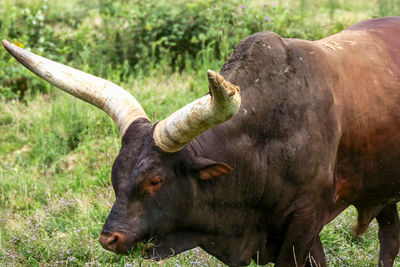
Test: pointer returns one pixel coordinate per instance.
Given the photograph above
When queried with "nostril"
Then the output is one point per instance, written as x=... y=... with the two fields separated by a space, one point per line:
x=107 y=239
x=113 y=241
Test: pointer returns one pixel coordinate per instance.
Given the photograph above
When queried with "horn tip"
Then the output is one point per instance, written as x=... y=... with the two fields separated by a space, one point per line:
x=215 y=77
x=210 y=72
x=6 y=43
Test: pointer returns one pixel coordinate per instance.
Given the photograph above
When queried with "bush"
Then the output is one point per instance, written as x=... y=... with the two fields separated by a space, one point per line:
x=137 y=37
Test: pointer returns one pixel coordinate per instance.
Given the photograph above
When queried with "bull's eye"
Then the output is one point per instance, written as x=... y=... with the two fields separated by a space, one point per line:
x=153 y=185
x=155 y=182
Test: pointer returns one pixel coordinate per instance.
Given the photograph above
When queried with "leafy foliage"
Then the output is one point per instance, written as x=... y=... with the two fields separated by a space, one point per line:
x=137 y=37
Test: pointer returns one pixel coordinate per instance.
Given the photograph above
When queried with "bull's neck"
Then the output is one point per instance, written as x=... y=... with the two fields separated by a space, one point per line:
x=241 y=186
x=218 y=203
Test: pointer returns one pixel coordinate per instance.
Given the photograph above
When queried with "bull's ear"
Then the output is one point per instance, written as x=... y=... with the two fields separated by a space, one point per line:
x=214 y=170
x=207 y=169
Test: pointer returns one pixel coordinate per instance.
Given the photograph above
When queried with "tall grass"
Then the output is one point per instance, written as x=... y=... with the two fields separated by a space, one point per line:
x=56 y=152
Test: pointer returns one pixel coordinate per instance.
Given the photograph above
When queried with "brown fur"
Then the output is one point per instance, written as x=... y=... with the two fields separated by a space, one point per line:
x=318 y=130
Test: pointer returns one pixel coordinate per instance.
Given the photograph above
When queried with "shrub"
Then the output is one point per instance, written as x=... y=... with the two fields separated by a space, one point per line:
x=138 y=37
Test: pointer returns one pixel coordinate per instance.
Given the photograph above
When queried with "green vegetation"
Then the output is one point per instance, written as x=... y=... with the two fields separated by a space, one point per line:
x=56 y=152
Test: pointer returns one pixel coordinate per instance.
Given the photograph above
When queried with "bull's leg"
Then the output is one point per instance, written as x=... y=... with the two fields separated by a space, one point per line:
x=365 y=215
x=389 y=228
x=317 y=255
x=301 y=231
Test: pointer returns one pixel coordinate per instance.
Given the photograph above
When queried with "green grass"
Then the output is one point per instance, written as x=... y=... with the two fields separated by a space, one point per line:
x=56 y=152
x=56 y=196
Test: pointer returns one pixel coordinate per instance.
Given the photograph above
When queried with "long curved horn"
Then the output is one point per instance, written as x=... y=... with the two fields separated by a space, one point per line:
x=109 y=97
x=174 y=132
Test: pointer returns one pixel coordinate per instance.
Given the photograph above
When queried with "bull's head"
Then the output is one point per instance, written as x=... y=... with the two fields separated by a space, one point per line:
x=154 y=172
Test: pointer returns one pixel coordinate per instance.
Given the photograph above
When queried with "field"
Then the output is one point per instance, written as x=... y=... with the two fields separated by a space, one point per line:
x=56 y=152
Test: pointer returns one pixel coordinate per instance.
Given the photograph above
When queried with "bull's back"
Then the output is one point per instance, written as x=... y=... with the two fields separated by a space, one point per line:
x=366 y=60
x=287 y=85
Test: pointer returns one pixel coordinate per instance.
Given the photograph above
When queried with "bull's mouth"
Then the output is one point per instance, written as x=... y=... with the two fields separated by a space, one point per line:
x=156 y=248
x=121 y=243
x=117 y=242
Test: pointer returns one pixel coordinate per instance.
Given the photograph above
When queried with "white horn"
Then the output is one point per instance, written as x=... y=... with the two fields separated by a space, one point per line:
x=174 y=132
x=115 y=101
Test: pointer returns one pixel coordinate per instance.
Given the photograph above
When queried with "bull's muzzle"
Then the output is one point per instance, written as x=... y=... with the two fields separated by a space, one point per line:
x=116 y=241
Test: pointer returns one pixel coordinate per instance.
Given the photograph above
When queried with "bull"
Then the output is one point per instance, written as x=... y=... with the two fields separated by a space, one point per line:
x=291 y=133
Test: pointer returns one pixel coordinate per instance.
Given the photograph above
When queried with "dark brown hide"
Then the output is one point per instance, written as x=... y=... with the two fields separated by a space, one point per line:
x=318 y=130
x=305 y=102
x=367 y=169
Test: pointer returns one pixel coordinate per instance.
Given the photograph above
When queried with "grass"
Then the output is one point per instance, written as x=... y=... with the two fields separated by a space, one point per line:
x=56 y=195
x=56 y=152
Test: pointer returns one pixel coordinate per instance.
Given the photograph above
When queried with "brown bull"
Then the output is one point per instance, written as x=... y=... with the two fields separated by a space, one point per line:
x=314 y=128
